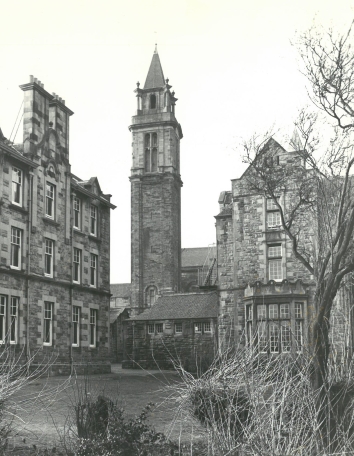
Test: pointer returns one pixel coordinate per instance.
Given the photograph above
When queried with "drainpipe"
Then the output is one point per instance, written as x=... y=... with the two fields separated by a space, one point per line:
x=71 y=282
x=133 y=354
x=29 y=229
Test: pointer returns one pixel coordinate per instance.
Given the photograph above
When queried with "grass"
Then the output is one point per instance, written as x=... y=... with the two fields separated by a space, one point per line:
x=42 y=407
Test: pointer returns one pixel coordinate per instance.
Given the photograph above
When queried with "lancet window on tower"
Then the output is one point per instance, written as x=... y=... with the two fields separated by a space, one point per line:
x=151 y=152
x=152 y=101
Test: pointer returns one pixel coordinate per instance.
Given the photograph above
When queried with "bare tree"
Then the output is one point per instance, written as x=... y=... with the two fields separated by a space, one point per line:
x=318 y=179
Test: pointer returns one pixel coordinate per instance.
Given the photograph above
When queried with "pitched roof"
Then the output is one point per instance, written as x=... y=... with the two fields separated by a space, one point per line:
x=195 y=256
x=182 y=306
x=155 y=77
x=121 y=290
x=226 y=211
x=114 y=314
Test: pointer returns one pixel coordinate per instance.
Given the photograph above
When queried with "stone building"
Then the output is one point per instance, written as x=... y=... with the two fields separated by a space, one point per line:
x=179 y=328
x=265 y=293
x=155 y=191
x=55 y=248
x=198 y=269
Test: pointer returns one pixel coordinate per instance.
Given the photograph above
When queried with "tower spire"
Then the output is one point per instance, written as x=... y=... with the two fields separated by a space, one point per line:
x=155 y=77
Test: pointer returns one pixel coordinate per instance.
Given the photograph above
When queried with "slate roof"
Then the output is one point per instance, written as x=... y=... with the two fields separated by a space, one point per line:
x=121 y=290
x=155 y=77
x=182 y=306
x=114 y=314
x=195 y=256
x=226 y=211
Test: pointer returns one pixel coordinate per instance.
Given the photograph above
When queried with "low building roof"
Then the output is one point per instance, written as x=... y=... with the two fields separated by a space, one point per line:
x=195 y=256
x=181 y=307
x=114 y=314
x=120 y=290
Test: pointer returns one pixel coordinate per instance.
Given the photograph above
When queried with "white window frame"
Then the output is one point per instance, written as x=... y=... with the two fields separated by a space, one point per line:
x=275 y=269
x=77 y=265
x=3 y=309
x=48 y=323
x=76 y=312
x=16 y=248
x=13 y=329
x=17 y=182
x=93 y=328
x=198 y=327
x=93 y=220
x=178 y=328
x=77 y=213
x=50 y=200
x=151 y=328
x=93 y=270
x=286 y=320
x=273 y=219
x=159 y=328
x=207 y=327
x=48 y=257
x=271 y=206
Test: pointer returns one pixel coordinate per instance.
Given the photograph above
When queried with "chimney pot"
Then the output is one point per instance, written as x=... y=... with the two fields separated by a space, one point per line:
x=31 y=78
x=35 y=79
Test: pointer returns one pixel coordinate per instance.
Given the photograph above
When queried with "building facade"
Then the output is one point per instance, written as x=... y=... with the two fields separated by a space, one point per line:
x=155 y=191
x=55 y=250
x=265 y=293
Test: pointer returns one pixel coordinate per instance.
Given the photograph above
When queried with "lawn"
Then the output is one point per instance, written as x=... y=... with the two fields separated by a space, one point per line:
x=43 y=410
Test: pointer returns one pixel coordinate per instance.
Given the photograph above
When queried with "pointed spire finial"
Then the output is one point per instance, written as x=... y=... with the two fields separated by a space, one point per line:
x=155 y=48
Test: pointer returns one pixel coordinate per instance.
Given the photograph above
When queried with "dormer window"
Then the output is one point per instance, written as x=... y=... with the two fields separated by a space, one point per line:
x=151 y=152
x=152 y=101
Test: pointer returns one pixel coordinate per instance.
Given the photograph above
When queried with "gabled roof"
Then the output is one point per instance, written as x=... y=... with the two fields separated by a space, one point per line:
x=120 y=290
x=85 y=187
x=155 y=77
x=271 y=143
x=182 y=306
x=195 y=256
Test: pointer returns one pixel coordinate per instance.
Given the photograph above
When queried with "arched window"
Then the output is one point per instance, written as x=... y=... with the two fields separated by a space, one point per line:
x=154 y=160
x=150 y=296
x=152 y=101
x=147 y=161
x=151 y=156
x=51 y=171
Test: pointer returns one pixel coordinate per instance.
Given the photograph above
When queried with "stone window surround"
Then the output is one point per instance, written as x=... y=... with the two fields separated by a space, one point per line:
x=53 y=215
x=41 y=303
x=21 y=226
x=52 y=237
x=77 y=213
x=76 y=312
x=156 y=326
x=6 y=314
x=22 y=300
x=251 y=319
x=20 y=185
x=204 y=327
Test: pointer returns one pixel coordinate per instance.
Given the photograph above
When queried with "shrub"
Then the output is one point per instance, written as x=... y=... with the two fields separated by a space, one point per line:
x=123 y=436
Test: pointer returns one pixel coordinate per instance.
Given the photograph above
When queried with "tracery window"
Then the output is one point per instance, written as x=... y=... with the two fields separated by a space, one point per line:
x=151 y=152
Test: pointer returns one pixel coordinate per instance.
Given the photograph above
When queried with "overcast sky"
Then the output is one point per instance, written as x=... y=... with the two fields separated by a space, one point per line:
x=230 y=62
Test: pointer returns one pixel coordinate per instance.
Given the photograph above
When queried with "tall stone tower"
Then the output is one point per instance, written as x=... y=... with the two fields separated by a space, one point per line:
x=155 y=191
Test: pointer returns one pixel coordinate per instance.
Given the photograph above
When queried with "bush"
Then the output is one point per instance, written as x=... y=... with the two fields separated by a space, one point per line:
x=226 y=409
x=121 y=436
